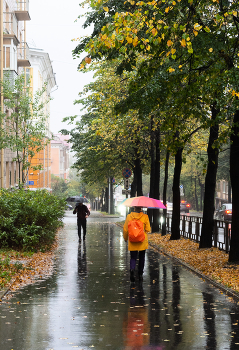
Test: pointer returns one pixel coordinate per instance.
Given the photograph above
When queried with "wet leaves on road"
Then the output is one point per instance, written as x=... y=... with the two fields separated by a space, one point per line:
x=23 y=269
x=210 y=262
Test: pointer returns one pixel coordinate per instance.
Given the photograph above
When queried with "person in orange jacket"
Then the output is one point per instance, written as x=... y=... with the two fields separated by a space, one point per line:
x=137 y=248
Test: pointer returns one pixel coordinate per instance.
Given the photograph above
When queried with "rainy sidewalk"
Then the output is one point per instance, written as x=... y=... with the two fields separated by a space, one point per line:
x=89 y=302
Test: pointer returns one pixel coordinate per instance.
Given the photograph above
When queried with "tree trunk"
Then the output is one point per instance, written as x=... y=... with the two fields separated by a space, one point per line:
x=156 y=214
x=138 y=177
x=176 y=196
x=234 y=174
x=229 y=191
x=210 y=185
x=165 y=184
x=101 y=199
x=201 y=193
x=196 y=196
x=154 y=175
x=152 y=168
x=112 y=204
x=133 y=186
x=106 y=199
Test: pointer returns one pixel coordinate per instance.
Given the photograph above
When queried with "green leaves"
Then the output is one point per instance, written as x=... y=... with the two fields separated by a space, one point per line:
x=24 y=131
x=29 y=219
x=182 y=56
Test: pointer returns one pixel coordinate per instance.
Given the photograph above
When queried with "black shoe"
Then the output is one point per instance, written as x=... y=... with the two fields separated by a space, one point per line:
x=132 y=278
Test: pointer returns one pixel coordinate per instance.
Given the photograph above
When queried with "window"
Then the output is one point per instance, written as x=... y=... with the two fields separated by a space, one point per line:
x=6 y=56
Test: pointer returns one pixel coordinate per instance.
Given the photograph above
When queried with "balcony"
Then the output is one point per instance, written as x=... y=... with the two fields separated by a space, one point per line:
x=22 y=10
x=23 y=55
x=10 y=28
x=10 y=76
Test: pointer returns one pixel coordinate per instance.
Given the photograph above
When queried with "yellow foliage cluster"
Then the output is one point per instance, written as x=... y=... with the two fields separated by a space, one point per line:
x=211 y=262
x=234 y=93
x=126 y=25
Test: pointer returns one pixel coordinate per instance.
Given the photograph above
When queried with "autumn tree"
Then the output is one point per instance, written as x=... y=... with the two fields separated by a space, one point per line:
x=24 y=121
x=195 y=43
x=106 y=141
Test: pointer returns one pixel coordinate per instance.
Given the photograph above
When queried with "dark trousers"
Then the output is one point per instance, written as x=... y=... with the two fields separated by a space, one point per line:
x=81 y=222
x=133 y=258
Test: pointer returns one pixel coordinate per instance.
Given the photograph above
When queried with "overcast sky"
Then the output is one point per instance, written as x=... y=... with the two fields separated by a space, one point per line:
x=52 y=27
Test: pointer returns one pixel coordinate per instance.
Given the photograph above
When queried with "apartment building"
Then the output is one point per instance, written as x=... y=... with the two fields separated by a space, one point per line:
x=35 y=64
x=223 y=193
x=40 y=73
x=60 y=149
x=14 y=60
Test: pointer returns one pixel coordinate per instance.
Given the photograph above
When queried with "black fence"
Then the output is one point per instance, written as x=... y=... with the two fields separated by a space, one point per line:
x=190 y=227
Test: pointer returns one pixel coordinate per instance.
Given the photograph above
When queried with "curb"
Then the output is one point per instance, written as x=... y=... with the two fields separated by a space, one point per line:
x=220 y=286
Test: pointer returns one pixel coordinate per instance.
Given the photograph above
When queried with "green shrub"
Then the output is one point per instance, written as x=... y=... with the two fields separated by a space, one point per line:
x=29 y=219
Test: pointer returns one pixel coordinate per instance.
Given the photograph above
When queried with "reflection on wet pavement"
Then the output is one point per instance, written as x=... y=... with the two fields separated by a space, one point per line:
x=89 y=302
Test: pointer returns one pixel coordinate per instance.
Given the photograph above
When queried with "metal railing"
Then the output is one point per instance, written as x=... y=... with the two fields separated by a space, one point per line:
x=10 y=76
x=190 y=227
x=23 y=52
x=10 y=23
x=22 y=5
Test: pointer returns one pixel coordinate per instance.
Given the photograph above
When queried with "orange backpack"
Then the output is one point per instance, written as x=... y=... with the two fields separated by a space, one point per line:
x=136 y=231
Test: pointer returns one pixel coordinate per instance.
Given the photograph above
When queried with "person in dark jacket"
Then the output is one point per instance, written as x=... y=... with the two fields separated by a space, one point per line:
x=82 y=213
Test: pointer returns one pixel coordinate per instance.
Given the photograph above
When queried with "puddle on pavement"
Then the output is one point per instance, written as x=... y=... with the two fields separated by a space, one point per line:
x=89 y=302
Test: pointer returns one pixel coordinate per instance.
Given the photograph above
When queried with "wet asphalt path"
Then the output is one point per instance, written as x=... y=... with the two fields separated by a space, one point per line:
x=89 y=303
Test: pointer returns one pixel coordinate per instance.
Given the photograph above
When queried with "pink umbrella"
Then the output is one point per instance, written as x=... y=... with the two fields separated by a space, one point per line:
x=144 y=202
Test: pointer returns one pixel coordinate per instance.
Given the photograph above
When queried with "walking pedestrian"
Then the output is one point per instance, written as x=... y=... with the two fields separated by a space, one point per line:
x=136 y=224
x=82 y=213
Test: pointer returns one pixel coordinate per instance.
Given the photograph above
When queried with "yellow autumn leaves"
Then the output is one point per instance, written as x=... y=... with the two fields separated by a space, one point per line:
x=123 y=32
x=171 y=7
x=86 y=60
x=234 y=93
x=210 y=262
x=134 y=41
x=38 y=265
x=183 y=42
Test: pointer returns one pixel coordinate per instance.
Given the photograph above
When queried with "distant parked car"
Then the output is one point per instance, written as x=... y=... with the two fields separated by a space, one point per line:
x=169 y=206
x=224 y=212
x=69 y=207
x=184 y=206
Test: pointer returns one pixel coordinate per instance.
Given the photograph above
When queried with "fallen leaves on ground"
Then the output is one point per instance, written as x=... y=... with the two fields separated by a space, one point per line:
x=211 y=262
x=23 y=269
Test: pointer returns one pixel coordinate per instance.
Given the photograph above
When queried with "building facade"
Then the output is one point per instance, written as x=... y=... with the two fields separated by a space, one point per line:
x=60 y=149
x=41 y=73
x=35 y=65
x=223 y=193
x=14 y=60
